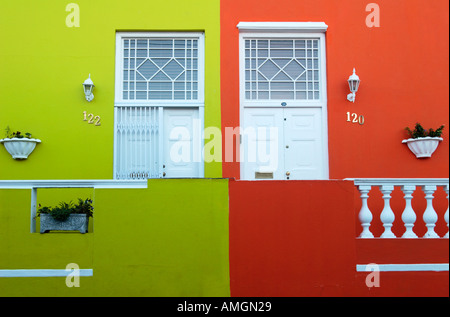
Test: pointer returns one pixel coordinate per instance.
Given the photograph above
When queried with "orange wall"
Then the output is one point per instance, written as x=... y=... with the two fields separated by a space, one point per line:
x=280 y=247
x=404 y=71
x=299 y=244
x=403 y=251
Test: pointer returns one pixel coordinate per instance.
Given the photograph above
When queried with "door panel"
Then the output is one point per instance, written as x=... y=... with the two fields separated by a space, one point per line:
x=282 y=143
x=179 y=143
x=261 y=144
x=303 y=158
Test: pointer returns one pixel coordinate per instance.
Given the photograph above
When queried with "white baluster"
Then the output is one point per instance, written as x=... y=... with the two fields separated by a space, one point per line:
x=446 y=213
x=430 y=216
x=409 y=216
x=387 y=215
x=365 y=215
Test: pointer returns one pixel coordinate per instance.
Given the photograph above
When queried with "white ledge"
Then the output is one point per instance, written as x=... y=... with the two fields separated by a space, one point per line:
x=72 y=183
x=283 y=26
x=427 y=267
x=43 y=273
x=400 y=181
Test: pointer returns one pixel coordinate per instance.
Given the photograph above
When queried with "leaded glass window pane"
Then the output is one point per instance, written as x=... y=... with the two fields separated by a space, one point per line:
x=282 y=69
x=160 y=69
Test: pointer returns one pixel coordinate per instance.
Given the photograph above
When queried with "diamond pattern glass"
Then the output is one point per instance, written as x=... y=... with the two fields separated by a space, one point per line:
x=160 y=69
x=282 y=69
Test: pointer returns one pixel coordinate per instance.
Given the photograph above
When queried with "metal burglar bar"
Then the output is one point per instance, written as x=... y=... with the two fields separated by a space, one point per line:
x=136 y=142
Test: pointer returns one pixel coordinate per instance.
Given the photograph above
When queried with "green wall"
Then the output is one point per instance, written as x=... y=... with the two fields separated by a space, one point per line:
x=145 y=242
x=43 y=64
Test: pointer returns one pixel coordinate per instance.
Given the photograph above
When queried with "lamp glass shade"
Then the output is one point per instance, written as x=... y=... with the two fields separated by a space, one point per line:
x=88 y=88
x=354 y=85
x=88 y=85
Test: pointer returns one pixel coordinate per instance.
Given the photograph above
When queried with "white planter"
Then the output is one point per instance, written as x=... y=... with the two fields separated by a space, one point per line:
x=423 y=147
x=20 y=148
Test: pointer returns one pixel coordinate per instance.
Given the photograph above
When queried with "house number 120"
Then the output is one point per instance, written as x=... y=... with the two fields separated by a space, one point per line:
x=90 y=118
x=354 y=118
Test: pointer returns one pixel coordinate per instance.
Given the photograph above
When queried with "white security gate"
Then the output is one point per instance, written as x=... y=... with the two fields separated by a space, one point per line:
x=283 y=106
x=136 y=146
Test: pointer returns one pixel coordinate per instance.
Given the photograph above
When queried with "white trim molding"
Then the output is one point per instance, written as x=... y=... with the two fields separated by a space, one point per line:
x=427 y=267
x=73 y=183
x=44 y=273
x=147 y=115
x=121 y=36
x=250 y=31
x=282 y=27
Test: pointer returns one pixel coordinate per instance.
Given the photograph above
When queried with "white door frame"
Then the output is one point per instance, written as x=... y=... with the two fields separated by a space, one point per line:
x=161 y=104
x=291 y=30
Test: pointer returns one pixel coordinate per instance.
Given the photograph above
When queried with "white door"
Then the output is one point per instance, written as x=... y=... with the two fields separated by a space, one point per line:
x=262 y=144
x=283 y=92
x=181 y=143
x=303 y=157
x=282 y=143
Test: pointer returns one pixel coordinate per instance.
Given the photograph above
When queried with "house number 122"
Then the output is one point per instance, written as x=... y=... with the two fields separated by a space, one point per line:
x=90 y=118
x=354 y=118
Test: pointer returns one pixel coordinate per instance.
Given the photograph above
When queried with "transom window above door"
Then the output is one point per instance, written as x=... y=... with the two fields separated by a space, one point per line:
x=160 y=68
x=282 y=69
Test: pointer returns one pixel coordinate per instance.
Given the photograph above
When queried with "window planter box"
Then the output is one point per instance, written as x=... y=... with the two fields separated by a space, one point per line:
x=423 y=147
x=19 y=148
x=75 y=222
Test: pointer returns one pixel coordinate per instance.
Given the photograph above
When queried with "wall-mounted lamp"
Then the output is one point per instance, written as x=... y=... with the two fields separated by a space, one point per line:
x=88 y=88
x=353 y=83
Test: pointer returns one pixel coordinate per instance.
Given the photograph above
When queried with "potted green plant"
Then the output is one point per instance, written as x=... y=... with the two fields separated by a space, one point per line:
x=66 y=216
x=423 y=142
x=19 y=145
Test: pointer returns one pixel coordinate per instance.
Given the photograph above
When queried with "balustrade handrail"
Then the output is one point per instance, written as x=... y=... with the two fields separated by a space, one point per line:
x=400 y=181
x=387 y=217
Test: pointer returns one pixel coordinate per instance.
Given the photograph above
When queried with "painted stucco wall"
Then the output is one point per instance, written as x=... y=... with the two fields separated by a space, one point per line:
x=145 y=242
x=44 y=62
x=172 y=238
x=403 y=66
x=296 y=245
x=302 y=244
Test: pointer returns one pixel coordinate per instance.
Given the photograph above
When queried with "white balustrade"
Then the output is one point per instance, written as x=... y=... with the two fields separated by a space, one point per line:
x=409 y=217
x=446 y=213
x=430 y=216
x=387 y=215
x=365 y=216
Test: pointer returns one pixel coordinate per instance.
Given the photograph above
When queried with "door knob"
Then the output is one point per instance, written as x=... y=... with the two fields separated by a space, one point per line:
x=164 y=174
x=288 y=173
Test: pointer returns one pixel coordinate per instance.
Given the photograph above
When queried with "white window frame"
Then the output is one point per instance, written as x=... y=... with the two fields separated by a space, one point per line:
x=200 y=36
x=161 y=104
x=287 y=30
